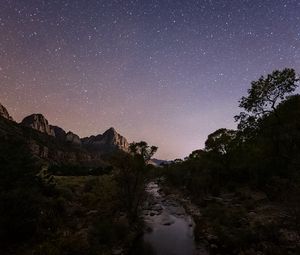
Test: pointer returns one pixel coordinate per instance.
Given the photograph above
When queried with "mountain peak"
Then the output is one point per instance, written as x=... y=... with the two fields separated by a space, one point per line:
x=39 y=122
x=111 y=130
x=108 y=141
x=4 y=113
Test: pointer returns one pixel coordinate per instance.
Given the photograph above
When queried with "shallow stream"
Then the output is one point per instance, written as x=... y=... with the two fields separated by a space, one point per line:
x=169 y=227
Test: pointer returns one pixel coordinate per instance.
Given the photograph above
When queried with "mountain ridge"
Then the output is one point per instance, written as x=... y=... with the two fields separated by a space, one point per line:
x=53 y=144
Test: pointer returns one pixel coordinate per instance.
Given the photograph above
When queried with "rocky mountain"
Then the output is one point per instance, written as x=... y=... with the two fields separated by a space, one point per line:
x=59 y=132
x=108 y=141
x=54 y=144
x=73 y=139
x=38 y=122
x=4 y=113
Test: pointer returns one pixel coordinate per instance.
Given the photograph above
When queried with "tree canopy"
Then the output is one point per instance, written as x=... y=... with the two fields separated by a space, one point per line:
x=143 y=149
x=264 y=96
x=220 y=140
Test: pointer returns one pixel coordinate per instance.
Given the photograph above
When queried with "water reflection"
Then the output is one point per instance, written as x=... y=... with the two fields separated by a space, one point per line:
x=170 y=229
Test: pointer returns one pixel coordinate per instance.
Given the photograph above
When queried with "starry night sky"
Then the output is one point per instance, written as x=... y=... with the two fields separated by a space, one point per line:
x=169 y=72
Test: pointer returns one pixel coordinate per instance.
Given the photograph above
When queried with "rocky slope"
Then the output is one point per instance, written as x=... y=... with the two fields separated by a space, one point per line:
x=4 y=113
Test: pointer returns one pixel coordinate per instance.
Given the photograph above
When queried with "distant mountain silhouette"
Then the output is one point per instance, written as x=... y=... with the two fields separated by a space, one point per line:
x=54 y=144
x=158 y=162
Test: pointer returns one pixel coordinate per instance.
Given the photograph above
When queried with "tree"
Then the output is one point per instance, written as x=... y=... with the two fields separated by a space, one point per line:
x=20 y=194
x=264 y=96
x=220 y=141
x=219 y=147
x=131 y=175
x=177 y=161
x=196 y=154
x=143 y=150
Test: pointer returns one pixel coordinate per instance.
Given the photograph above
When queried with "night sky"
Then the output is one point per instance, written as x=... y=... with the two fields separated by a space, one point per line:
x=168 y=72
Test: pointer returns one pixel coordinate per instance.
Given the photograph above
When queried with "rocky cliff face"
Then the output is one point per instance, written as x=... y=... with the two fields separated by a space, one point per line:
x=61 y=154
x=108 y=141
x=73 y=139
x=4 y=113
x=59 y=133
x=38 y=122
x=53 y=144
x=114 y=139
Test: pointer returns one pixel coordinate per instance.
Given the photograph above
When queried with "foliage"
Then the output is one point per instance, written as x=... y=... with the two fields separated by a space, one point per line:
x=26 y=203
x=78 y=170
x=220 y=141
x=263 y=155
x=131 y=176
x=143 y=150
x=42 y=214
x=264 y=96
x=196 y=154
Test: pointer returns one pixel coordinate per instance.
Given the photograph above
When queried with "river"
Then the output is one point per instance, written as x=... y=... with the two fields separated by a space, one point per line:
x=169 y=229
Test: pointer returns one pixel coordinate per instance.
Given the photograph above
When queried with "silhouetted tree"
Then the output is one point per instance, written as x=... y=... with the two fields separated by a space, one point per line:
x=143 y=150
x=196 y=154
x=20 y=195
x=131 y=176
x=220 y=141
x=264 y=96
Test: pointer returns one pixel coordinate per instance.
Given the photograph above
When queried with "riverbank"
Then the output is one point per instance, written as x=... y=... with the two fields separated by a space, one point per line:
x=242 y=222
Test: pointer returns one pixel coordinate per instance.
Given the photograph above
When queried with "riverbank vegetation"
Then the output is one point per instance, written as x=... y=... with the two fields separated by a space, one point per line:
x=247 y=181
x=74 y=212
